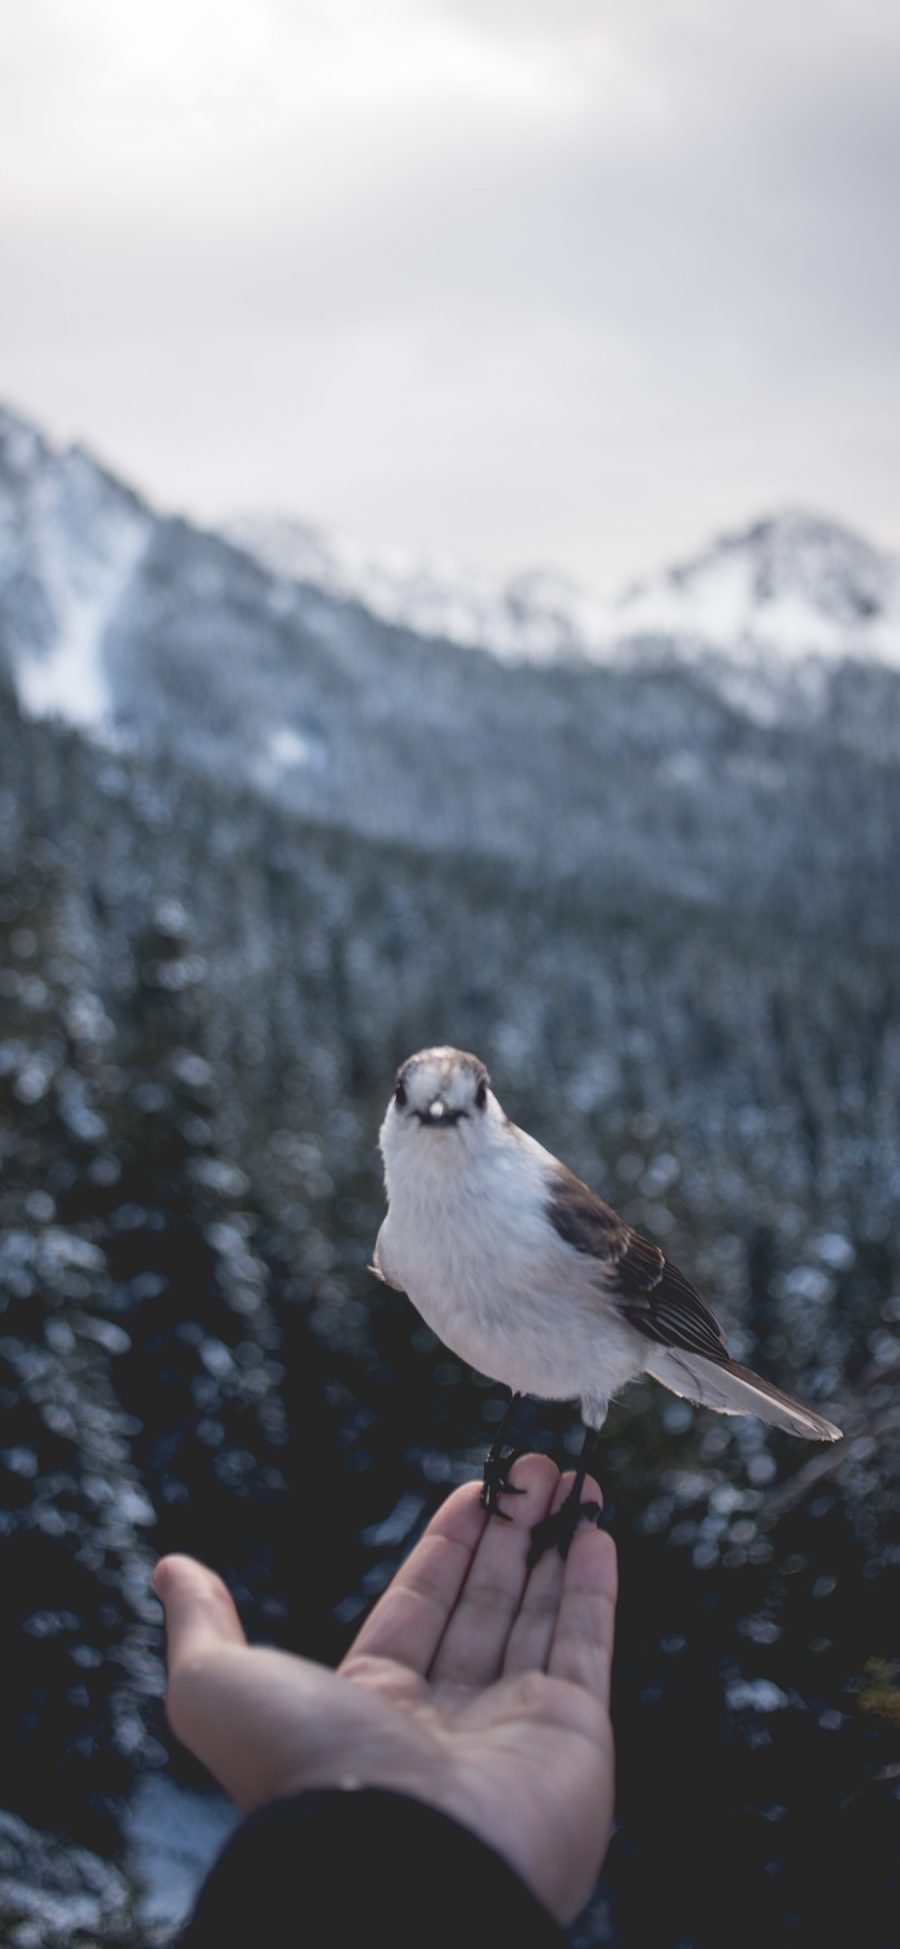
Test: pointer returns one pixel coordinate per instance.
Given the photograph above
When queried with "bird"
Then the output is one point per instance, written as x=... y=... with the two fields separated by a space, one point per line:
x=528 y=1276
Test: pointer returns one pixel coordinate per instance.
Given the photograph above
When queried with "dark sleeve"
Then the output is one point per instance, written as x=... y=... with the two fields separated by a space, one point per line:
x=338 y=1870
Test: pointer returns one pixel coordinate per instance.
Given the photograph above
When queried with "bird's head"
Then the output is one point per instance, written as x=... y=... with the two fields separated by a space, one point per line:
x=442 y=1106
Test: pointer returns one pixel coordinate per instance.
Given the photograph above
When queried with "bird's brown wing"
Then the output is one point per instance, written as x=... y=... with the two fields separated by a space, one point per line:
x=648 y=1289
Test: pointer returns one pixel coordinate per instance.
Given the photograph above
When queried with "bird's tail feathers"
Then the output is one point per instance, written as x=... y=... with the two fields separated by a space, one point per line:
x=733 y=1389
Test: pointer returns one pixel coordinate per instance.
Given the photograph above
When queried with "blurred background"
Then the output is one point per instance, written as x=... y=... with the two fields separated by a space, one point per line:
x=448 y=494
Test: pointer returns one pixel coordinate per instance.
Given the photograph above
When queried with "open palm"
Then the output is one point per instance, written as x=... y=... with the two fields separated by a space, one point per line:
x=476 y=1685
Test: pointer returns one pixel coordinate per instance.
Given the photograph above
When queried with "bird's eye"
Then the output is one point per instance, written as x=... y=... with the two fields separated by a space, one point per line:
x=400 y=1097
x=481 y=1097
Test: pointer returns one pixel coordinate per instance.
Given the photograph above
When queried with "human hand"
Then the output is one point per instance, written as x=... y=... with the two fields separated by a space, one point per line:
x=475 y=1686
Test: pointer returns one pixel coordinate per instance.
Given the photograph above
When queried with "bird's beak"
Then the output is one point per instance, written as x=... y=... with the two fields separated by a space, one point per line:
x=438 y=1116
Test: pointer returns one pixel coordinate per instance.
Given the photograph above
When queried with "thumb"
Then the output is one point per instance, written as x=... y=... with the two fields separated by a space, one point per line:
x=222 y=1700
x=200 y=1613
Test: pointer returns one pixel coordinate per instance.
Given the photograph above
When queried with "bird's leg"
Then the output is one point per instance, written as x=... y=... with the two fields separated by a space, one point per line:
x=559 y=1529
x=497 y=1466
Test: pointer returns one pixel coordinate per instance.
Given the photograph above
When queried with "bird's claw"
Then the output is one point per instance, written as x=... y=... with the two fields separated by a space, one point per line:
x=497 y=1483
x=559 y=1529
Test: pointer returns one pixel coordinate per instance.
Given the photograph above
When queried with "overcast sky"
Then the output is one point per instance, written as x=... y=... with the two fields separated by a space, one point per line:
x=567 y=283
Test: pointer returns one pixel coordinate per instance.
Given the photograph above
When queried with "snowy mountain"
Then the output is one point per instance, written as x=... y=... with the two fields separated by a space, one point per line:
x=534 y=616
x=565 y=731
x=75 y=545
x=792 y=586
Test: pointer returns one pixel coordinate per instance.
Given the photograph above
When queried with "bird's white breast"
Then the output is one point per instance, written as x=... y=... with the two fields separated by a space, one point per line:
x=469 y=1239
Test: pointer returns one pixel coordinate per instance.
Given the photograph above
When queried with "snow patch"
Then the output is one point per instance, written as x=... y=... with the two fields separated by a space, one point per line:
x=288 y=747
x=69 y=680
x=756 y=1694
x=172 y=1838
x=713 y=606
x=287 y=751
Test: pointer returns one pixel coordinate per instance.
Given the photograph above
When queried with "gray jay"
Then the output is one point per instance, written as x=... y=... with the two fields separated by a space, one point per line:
x=528 y=1276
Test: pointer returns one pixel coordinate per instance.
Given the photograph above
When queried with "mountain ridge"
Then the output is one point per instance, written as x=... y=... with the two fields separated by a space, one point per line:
x=789 y=587
x=153 y=635
x=843 y=594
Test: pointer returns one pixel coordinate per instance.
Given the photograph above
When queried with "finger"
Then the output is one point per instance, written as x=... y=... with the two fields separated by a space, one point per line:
x=531 y=1637
x=217 y=1701
x=200 y=1613
x=583 y=1639
x=472 y=1647
x=408 y=1622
